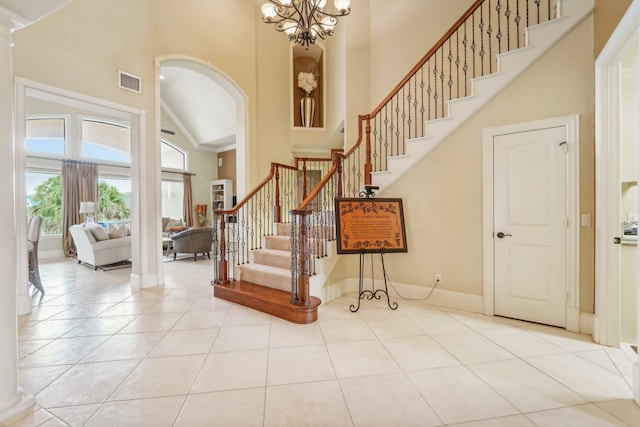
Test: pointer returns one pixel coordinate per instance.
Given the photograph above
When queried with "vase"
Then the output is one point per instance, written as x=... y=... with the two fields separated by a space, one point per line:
x=307 y=107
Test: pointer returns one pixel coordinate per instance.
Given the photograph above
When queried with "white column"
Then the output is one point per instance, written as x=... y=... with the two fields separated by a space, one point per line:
x=12 y=398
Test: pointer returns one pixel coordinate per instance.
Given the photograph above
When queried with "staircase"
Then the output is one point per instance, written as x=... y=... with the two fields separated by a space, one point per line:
x=265 y=281
x=271 y=266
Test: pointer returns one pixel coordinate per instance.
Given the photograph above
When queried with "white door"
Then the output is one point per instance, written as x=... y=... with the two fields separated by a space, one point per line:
x=529 y=236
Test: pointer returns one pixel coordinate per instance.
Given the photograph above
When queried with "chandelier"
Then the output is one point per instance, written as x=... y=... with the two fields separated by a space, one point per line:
x=304 y=20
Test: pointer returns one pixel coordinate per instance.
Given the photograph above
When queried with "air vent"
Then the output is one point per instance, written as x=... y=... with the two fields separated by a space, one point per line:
x=129 y=82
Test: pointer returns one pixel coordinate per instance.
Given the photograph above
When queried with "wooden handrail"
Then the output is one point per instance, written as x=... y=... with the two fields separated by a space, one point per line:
x=318 y=188
x=426 y=57
x=245 y=200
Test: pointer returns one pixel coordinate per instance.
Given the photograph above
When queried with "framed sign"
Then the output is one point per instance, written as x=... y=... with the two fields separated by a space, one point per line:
x=370 y=226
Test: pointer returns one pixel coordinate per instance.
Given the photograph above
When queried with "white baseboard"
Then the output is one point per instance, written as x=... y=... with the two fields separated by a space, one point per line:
x=587 y=324
x=51 y=254
x=636 y=382
x=24 y=401
x=144 y=281
x=439 y=297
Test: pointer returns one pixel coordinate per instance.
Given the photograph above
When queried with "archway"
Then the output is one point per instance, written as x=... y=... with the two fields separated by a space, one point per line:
x=231 y=90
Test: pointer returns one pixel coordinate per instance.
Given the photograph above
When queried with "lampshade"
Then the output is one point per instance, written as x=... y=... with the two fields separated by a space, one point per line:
x=342 y=4
x=268 y=10
x=88 y=207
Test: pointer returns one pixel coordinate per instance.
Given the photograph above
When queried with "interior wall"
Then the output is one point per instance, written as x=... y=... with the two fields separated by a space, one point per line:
x=443 y=214
x=101 y=37
x=226 y=165
x=607 y=15
x=398 y=43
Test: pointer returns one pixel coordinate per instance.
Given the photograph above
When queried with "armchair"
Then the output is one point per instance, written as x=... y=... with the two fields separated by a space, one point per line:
x=193 y=240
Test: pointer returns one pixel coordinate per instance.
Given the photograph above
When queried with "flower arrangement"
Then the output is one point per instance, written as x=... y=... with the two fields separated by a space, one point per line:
x=307 y=82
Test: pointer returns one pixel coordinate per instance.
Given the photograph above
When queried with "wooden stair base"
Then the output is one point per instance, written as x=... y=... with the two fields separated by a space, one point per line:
x=268 y=300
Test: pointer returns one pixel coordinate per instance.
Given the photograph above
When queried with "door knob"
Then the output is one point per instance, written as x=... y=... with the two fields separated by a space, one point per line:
x=501 y=235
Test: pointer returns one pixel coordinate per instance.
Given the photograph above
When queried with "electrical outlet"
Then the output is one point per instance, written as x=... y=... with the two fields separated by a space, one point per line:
x=438 y=278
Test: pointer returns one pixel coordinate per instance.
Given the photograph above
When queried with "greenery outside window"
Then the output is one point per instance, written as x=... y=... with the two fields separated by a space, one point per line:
x=114 y=198
x=44 y=198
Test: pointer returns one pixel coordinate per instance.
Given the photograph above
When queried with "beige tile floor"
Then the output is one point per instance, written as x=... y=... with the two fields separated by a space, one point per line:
x=95 y=352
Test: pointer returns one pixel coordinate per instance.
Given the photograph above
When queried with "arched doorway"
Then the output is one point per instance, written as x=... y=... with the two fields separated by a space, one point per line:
x=207 y=107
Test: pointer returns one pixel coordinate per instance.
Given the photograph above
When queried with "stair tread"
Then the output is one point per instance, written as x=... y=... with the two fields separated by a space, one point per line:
x=273 y=251
x=266 y=268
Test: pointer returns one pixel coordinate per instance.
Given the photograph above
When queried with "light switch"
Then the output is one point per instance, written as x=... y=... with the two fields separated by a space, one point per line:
x=219 y=161
x=586 y=220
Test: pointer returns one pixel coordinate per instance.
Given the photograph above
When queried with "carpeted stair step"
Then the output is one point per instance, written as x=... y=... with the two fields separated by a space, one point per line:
x=272 y=257
x=281 y=243
x=265 y=275
x=283 y=229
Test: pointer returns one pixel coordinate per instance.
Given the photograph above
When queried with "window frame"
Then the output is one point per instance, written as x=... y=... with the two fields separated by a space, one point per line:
x=177 y=148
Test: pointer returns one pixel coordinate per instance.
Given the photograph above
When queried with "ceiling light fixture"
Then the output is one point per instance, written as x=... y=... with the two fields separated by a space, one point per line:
x=304 y=20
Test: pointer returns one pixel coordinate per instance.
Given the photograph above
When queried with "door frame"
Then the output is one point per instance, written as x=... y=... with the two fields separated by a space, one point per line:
x=607 y=112
x=570 y=123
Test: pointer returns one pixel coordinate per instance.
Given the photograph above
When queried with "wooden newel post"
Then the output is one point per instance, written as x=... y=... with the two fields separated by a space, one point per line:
x=301 y=251
x=223 y=277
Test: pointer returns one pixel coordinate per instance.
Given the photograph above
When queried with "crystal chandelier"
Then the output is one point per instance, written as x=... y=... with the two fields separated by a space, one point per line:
x=304 y=20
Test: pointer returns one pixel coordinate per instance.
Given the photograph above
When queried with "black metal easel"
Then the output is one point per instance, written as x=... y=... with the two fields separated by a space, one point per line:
x=366 y=191
x=373 y=293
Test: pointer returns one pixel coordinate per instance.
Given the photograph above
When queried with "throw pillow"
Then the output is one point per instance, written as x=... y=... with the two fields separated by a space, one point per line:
x=174 y=223
x=176 y=229
x=117 y=232
x=98 y=232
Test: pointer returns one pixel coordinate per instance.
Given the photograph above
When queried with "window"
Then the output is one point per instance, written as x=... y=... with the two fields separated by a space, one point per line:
x=106 y=141
x=44 y=199
x=114 y=198
x=46 y=136
x=173 y=157
x=172 y=194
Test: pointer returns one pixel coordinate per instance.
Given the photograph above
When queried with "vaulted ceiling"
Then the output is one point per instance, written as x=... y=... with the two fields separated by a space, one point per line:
x=199 y=107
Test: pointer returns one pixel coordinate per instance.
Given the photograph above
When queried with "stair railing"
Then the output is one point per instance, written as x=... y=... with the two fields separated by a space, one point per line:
x=240 y=230
x=466 y=51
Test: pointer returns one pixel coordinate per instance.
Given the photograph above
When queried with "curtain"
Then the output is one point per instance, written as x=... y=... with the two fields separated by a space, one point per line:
x=187 y=200
x=79 y=184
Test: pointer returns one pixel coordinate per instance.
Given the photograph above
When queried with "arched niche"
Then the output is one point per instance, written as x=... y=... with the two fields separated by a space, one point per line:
x=308 y=60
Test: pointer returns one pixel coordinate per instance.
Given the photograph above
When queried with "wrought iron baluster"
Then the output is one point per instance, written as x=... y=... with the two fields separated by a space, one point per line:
x=397 y=113
x=465 y=68
x=442 y=100
x=473 y=45
x=489 y=33
x=458 y=63
x=421 y=106
x=481 y=53
x=507 y=14
x=499 y=33
x=450 y=81
x=435 y=86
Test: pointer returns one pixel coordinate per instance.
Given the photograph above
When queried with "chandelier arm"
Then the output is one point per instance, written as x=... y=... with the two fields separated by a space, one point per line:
x=307 y=17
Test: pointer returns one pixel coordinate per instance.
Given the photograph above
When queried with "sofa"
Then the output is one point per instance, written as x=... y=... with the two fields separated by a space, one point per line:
x=193 y=241
x=98 y=246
